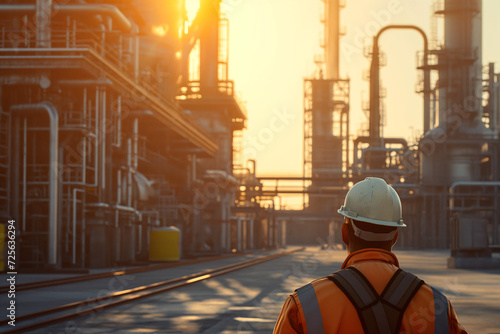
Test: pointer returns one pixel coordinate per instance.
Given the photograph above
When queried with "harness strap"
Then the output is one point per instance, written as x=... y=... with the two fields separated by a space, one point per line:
x=440 y=313
x=378 y=314
x=311 y=310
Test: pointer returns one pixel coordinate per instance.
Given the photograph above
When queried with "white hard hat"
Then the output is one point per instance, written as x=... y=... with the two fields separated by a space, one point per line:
x=373 y=201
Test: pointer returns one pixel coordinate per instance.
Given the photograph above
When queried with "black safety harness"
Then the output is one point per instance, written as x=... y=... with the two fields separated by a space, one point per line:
x=379 y=314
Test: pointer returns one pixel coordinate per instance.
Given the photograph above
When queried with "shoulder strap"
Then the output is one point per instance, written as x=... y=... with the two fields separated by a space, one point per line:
x=440 y=312
x=310 y=308
x=398 y=294
x=378 y=314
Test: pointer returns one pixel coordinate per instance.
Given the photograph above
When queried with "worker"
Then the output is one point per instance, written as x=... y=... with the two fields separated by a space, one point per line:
x=370 y=294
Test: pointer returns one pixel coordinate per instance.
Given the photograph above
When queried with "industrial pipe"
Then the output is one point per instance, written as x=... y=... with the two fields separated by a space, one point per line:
x=332 y=36
x=375 y=82
x=82 y=10
x=75 y=190
x=103 y=140
x=135 y=141
x=43 y=13
x=53 y=172
x=473 y=183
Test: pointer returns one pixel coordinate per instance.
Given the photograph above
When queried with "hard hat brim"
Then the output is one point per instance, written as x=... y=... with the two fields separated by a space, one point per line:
x=372 y=221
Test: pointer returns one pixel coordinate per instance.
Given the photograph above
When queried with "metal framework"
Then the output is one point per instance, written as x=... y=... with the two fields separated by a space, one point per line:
x=326 y=129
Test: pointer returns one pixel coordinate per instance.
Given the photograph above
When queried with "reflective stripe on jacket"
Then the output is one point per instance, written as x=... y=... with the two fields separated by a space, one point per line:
x=321 y=307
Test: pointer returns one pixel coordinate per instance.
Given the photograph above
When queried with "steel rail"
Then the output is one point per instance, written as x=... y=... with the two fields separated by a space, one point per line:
x=134 y=294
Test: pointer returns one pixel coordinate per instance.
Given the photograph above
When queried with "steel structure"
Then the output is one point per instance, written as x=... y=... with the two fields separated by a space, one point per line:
x=111 y=125
x=448 y=180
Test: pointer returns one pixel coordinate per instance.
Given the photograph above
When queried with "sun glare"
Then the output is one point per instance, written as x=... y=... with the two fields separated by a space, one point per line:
x=192 y=7
x=160 y=30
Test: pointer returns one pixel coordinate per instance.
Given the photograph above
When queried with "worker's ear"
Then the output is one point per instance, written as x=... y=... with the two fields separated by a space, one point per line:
x=396 y=236
x=345 y=233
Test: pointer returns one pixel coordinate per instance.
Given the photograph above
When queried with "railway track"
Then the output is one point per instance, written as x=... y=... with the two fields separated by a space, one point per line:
x=91 y=306
x=88 y=277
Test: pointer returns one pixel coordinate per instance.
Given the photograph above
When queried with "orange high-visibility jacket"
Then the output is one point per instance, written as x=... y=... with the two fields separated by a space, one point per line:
x=334 y=313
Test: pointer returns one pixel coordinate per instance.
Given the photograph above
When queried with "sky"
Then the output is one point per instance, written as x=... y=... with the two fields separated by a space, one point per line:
x=272 y=49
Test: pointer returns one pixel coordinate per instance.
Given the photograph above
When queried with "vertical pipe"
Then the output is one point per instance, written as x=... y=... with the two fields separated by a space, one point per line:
x=348 y=120
x=129 y=175
x=238 y=233
x=251 y=233
x=119 y=186
x=209 y=45
x=223 y=236
x=53 y=173
x=119 y=122
x=427 y=91
x=194 y=167
x=83 y=235
x=495 y=215
x=135 y=37
x=228 y=234
x=42 y=17
x=492 y=99
x=15 y=169
x=120 y=51
x=9 y=166
x=25 y=153
x=375 y=94
x=103 y=142
x=74 y=226
x=135 y=152
x=96 y=142
x=332 y=34
x=139 y=248
x=68 y=26
x=84 y=139
x=74 y=33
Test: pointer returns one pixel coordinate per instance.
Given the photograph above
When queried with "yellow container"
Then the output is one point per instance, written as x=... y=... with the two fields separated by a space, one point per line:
x=164 y=244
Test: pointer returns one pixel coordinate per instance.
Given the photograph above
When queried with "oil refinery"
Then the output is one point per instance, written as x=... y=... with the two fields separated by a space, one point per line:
x=119 y=119
x=130 y=201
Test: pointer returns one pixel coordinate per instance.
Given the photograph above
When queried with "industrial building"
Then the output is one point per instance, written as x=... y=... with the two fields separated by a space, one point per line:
x=118 y=118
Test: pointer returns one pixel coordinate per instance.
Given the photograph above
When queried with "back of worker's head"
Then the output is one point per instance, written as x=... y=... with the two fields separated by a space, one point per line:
x=373 y=212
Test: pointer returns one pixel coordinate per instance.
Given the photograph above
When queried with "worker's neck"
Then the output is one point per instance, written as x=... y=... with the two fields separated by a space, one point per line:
x=353 y=247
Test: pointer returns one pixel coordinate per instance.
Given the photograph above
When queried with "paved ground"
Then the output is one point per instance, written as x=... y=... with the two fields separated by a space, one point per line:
x=249 y=300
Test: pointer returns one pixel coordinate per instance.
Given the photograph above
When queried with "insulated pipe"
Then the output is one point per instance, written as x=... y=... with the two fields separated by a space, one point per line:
x=43 y=13
x=122 y=22
x=375 y=82
x=54 y=169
